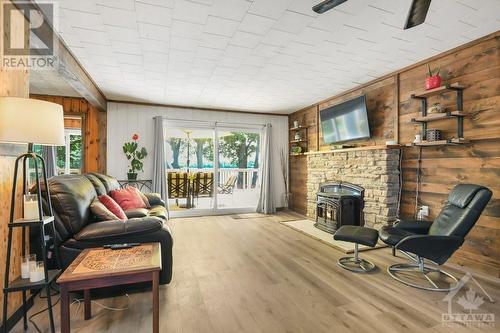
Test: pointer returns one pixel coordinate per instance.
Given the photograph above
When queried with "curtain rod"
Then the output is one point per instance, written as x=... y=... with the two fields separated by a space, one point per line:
x=211 y=122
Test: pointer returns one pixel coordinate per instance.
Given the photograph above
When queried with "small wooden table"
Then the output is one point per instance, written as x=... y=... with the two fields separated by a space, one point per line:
x=99 y=267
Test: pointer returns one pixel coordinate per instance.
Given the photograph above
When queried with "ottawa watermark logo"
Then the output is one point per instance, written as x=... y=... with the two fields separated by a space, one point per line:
x=28 y=40
x=466 y=305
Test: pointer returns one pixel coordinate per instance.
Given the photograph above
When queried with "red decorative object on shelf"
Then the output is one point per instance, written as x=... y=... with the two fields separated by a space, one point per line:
x=432 y=82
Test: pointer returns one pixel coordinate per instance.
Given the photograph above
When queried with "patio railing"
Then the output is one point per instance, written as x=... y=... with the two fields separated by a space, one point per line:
x=248 y=178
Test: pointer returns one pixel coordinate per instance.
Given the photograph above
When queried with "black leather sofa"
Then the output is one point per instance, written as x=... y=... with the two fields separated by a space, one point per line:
x=78 y=229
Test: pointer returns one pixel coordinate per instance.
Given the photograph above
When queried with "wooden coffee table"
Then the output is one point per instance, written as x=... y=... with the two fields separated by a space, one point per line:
x=99 y=267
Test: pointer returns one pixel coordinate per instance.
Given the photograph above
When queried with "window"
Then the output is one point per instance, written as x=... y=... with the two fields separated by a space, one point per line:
x=69 y=156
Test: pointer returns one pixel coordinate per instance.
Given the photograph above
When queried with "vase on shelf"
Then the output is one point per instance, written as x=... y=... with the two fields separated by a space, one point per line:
x=432 y=82
x=131 y=176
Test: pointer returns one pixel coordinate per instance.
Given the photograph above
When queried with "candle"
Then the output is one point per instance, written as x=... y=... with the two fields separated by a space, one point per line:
x=38 y=273
x=28 y=263
x=25 y=270
x=30 y=207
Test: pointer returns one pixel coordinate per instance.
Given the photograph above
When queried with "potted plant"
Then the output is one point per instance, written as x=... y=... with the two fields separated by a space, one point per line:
x=135 y=157
x=433 y=79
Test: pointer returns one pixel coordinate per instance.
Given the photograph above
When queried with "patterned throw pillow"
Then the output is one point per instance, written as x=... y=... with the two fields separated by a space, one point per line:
x=101 y=212
x=128 y=198
x=113 y=206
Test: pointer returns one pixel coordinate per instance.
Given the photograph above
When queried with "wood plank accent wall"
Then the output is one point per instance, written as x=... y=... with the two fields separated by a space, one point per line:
x=13 y=83
x=94 y=129
x=476 y=66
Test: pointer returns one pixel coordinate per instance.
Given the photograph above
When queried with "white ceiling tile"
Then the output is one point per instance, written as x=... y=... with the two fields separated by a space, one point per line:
x=119 y=4
x=160 y=3
x=273 y=9
x=150 y=45
x=182 y=43
x=214 y=41
x=277 y=37
x=246 y=39
x=91 y=36
x=81 y=19
x=233 y=10
x=126 y=47
x=118 y=17
x=292 y=22
x=190 y=12
x=158 y=15
x=209 y=53
x=187 y=29
x=256 y=24
x=121 y=34
x=151 y=31
x=221 y=26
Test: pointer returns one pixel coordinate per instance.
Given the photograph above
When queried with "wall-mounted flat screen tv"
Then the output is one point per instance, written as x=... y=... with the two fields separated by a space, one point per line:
x=346 y=121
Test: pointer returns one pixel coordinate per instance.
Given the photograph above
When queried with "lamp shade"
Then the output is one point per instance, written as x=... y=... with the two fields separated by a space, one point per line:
x=24 y=120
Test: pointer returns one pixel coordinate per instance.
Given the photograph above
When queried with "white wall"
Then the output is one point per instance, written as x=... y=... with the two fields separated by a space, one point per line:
x=127 y=119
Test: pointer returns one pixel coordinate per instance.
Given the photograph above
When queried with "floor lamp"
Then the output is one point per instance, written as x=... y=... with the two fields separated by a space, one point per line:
x=24 y=120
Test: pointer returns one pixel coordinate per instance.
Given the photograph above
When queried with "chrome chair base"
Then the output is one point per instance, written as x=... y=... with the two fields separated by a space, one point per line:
x=421 y=272
x=354 y=264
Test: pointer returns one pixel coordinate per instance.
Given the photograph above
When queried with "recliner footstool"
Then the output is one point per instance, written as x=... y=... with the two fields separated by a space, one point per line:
x=357 y=235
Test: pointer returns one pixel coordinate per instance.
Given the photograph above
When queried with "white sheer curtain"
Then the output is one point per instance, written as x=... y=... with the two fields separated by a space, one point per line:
x=159 y=168
x=49 y=156
x=266 y=203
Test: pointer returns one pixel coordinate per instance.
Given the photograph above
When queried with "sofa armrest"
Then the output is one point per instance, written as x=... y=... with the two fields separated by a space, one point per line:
x=435 y=248
x=118 y=228
x=420 y=227
x=155 y=199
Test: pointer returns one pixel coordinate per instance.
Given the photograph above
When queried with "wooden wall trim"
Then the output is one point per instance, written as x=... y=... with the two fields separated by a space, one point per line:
x=196 y=108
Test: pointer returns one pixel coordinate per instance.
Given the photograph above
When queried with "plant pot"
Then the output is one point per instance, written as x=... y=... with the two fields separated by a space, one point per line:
x=132 y=176
x=432 y=82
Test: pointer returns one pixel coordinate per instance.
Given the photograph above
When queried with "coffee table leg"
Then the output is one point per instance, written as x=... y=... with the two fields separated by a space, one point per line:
x=65 y=324
x=156 y=303
x=87 y=303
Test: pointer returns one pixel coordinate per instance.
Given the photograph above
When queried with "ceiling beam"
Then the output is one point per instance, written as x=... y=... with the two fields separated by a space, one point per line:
x=66 y=63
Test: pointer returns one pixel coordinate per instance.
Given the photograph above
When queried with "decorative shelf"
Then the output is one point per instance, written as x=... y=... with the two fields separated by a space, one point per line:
x=438 y=116
x=31 y=222
x=425 y=118
x=450 y=142
x=298 y=128
x=298 y=141
x=25 y=284
x=437 y=91
x=300 y=154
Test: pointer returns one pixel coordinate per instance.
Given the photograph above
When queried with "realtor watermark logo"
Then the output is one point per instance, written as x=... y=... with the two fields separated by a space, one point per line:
x=466 y=305
x=28 y=40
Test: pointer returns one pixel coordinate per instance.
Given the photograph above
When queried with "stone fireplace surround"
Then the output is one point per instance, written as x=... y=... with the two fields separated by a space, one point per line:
x=374 y=169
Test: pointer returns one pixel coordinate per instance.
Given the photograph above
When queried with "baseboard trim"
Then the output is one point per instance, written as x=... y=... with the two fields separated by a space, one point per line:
x=18 y=314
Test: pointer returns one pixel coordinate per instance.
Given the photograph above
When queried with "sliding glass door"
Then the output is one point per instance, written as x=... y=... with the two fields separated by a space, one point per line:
x=211 y=169
x=238 y=168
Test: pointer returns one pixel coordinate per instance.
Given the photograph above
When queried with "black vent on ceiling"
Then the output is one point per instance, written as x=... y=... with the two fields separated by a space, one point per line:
x=418 y=12
x=322 y=7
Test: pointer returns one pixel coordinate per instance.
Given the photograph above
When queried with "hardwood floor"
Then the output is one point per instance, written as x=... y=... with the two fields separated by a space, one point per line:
x=256 y=275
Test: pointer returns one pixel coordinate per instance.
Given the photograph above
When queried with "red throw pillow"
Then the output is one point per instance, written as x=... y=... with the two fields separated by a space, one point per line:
x=128 y=198
x=112 y=206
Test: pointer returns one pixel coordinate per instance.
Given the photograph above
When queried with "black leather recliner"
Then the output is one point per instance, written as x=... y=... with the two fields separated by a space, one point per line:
x=437 y=240
x=78 y=229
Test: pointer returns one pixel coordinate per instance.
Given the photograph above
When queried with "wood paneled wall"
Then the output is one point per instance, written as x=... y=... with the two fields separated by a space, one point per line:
x=13 y=83
x=93 y=127
x=475 y=66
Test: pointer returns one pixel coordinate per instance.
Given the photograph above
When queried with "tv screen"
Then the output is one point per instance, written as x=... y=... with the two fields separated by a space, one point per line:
x=347 y=121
